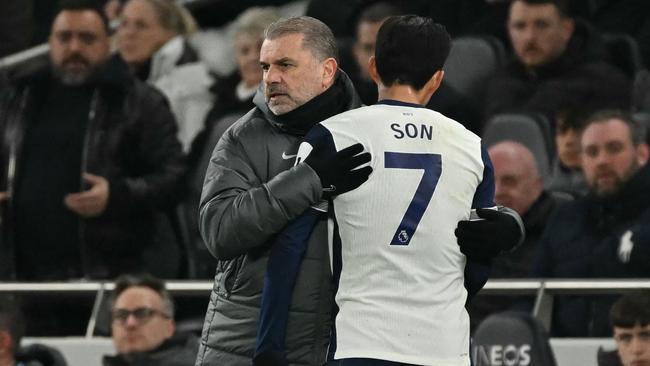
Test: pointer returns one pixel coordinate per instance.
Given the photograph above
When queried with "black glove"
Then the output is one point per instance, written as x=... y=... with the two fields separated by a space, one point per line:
x=496 y=231
x=337 y=173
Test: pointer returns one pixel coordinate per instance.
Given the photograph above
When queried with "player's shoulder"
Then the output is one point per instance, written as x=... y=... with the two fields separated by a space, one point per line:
x=347 y=116
x=454 y=127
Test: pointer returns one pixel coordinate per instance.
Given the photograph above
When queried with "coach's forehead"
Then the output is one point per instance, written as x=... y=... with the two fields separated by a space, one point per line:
x=287 y=45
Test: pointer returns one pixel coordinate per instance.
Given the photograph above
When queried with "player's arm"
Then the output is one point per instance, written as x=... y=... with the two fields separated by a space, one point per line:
x=496 y=229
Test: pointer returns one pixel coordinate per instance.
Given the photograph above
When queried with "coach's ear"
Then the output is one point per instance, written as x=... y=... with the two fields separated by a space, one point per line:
x=329 y=71
x=372 y=70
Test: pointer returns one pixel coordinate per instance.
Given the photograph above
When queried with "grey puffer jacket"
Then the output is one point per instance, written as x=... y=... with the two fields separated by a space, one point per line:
x=251 y=192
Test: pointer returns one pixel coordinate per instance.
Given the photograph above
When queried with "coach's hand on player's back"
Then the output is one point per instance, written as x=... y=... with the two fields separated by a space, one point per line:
x=338 y=173
x=497 y=231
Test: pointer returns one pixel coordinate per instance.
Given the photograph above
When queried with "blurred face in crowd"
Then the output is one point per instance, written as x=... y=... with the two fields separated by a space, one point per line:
x=538 y=32
x=79 y=45
x=364 y=45
x=292 y=74
x=247 y=53
x=568 y=151
x=140 y=33
x=517 y=180
x=609 y=157
x=633 y=345
x=140 y=321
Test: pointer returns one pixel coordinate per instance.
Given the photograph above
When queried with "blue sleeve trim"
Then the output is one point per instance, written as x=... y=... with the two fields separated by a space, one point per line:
x=484 y=195
x=319 y=141
x=283 y=266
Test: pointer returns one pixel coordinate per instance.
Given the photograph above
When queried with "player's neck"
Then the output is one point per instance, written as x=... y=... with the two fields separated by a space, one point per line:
x=403 y=93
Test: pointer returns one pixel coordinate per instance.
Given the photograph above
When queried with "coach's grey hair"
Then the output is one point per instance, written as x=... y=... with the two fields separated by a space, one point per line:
x=318 y=37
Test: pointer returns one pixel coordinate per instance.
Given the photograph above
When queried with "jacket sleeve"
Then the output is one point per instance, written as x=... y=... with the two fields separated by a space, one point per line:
x=238 y=211
x=543 y=261
x=158 y=153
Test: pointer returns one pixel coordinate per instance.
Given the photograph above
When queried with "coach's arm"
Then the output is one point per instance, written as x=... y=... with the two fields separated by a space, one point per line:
x=238 y=211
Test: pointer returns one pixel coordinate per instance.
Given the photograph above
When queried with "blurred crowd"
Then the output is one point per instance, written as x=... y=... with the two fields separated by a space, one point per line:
x=105 y=143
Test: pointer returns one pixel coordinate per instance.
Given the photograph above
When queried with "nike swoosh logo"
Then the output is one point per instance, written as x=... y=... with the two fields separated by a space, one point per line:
x=331 y=188
x=287 y=157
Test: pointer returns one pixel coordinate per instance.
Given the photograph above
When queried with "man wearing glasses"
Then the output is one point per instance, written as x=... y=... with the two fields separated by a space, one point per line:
x=143 y=328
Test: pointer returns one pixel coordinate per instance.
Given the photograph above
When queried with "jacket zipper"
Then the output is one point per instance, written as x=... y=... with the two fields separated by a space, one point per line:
x=13 y=149
x=90 y=129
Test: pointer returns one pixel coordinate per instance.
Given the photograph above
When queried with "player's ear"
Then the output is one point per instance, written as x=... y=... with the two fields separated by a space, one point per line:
x=372 y=70
x=434 y=83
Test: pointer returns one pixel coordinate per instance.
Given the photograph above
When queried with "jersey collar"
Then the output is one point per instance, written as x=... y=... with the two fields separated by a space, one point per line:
x=399 y=103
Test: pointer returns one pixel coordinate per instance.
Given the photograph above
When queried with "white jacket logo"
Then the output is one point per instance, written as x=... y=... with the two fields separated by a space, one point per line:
x=500 y=355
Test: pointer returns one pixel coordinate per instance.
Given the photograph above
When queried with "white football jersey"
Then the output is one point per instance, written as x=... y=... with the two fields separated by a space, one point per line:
x=400 y=272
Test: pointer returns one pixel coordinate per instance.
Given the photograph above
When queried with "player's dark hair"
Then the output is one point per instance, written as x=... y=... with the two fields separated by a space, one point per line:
x=562 y=6
x=631 y=309
x=410 y=49
x=81 y=5
x=11 y=320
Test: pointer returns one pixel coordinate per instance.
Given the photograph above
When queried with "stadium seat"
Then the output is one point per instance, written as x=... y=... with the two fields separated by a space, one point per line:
x=608 y=358
x=643 y=118
x=40 y=354
x=623 y=52
x=511 y=338
x=471 y=62
x=532 y=131
x=641 y=92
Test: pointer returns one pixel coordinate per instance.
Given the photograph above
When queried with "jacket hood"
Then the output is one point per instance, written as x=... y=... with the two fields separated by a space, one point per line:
x=341 y=96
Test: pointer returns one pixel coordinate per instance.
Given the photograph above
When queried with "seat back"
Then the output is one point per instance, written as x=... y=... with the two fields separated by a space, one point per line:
x=513 y=339
x=623 y=52
x=470 y=63
x=532 y=131
x=608 y=358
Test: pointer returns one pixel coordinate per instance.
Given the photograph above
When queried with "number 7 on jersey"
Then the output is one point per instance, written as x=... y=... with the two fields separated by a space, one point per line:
x=432 y=166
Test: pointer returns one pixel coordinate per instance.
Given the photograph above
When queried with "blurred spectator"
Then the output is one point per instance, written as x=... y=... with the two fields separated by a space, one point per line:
x=16 y=25
x=11 y=332
x=90 y=155
x=520 y=187
x=143 y=328
x=151 y=40
x=630 y=320
x=233 y=98
x=446 y=100
x=567 y=174
x=605 y=234
x=557 y=60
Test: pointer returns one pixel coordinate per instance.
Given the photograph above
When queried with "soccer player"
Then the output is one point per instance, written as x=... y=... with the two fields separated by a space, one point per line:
x=403 y=278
